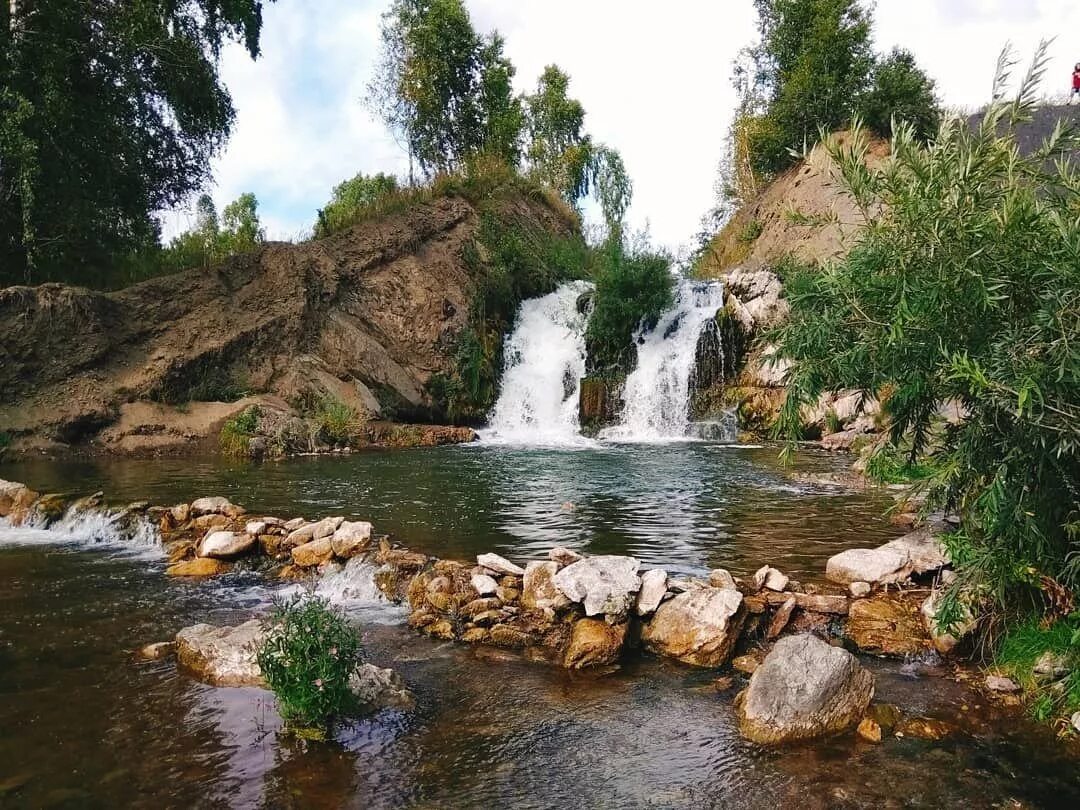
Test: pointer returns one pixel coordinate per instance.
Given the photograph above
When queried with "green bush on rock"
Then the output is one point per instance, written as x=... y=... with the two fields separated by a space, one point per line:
x=308 y=658
x=236 y=433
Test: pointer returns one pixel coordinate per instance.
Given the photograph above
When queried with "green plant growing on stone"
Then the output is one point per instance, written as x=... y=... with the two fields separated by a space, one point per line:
x=338 y=423
x=1055 y=690
x=236 y=433
x=308 y=658
x=963 y=288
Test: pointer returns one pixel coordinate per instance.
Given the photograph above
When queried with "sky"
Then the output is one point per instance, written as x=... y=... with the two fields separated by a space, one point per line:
x=654 y=79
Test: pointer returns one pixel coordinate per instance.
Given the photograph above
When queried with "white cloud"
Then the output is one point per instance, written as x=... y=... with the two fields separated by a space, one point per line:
x=654 y=79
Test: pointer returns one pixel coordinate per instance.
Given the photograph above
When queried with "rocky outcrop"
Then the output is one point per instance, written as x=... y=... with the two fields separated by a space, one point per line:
x=367 y=316
x=804 y=688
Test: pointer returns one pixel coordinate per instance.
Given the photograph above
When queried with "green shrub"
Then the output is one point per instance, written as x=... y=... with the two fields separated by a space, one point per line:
x=752 y=231
x=964 y=289
x=338 y=423
x=900 y=89
x=307 y=659
x=634 y=285
x=353 y=201
x=236 y=433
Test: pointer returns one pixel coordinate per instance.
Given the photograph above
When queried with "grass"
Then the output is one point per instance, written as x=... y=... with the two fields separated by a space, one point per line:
x=338 y=423
x=891 y=466
x=1021 y=648
x=235 y=437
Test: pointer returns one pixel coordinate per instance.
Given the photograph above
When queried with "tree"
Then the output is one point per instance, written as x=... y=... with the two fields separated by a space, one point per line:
x=241 y=229
x=809 y=66
x=899 y=90
x=558 y=151
x=963 y=288
x=611 y=186
x=211 y=239
x=109 y=112
x=352 y=197
x=502 y=117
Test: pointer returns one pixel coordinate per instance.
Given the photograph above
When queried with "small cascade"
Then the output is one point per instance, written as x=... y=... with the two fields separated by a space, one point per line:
x=352 y=585
x=656 y=395
x=88 y=528
x=543 y=366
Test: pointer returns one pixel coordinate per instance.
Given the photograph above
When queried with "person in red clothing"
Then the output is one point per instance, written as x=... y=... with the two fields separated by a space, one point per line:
x=1076 y=82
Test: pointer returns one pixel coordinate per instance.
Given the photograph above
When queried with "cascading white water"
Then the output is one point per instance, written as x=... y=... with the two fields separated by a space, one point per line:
x=88 y=528
x=543 y=366
x=656 y=394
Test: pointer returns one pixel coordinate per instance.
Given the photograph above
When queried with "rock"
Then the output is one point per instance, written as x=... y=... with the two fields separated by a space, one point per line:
x=859 y=590
x=869 y=730
x=1075 y=721
x=721 y=578
x=379 y=688
x=746 y=663
x=199 y=567
x=924 y=551
x=311 y=531
x=605 y=584
x=814 y=602
x=181 y=513
x=221 y=656
x=873 y=565
x=314 y=552
x=215 y=506
x=925 y=728
x=15 y=501
x=944 y=641
x=653 y=588
x=225 y=545
x=780 y=619
x=698 y=627
x=758 y=580
x=484 y=585
x=538 y=589
x=1050 y=666
x=594 y=642
x=507 y=595
x=205 y=523
x=500 y=565
x=888 y=625
x=255 y=527
x=351 y=537
x=294 y=524
x=775 y=580
x=804 y=688
x=999 y=683
x=563 y=556
x=156 y=651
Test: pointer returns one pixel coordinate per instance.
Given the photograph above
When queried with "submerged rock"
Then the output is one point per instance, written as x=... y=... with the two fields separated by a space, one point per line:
x=594 y=642
x=804 y=688
x=698 y=627
x=156 y=651
x=379 y=688
x=222 y=656
x=605 y=584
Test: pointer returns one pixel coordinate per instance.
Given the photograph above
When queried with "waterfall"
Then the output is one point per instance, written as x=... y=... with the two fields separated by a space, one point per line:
x=544 y=361
x=656 y=397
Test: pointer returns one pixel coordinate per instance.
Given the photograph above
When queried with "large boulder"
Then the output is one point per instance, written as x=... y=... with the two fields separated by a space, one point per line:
x=605 y=584
x=351 y=538
x=594 y=642
x=538 y=589
x=225 y=545
x=874 y=565
x=804 y=688
x=222 y=656
x=698 y=627
x=313 y=553
x=924 y=551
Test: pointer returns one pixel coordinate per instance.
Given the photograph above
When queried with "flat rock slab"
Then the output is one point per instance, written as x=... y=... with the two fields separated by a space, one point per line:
x=222 y=656
x=804 y=688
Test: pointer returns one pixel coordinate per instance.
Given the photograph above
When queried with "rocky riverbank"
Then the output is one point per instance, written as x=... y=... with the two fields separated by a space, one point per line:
x=794 y=641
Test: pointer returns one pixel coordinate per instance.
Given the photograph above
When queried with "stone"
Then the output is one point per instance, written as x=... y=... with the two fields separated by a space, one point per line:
x=999 y=683
x=504 y=635
x=156 y=651
x=944 y=641
x=508 y=595
x=888 y=625
x=859 y=590
x=225 y=545
x=1050 y=666
x=351 y=537
x=594 y=642
x=255 y=527
x=924 y=551
x=698 y=627
x=804 y=688
x=312 y=531
x=15 y=501
x=215 y=506
x=1075 y=721
x=294 y=524
x=874 y=565
x=746 y=663
x=869 y=730
x=722 y=578
x=814 y=602
x=780 y=619
x=758 y=580
x=500 y=565
x=181 y=513
x=205 y=523
x=484 y=584
x=563 y=556
x=775 y=580
x=538 y=589
x=221 y=656
x=199 y=567
x=477 y=606
x=378 y=688
x=653 y=588
x=925 y=728
x=605 y=584
x=314 y=552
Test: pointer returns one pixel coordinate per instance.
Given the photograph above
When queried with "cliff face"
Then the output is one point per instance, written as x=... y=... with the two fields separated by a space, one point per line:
x=367 y=315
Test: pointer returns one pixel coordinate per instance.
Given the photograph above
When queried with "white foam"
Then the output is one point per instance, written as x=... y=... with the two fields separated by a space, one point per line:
x=90 y=528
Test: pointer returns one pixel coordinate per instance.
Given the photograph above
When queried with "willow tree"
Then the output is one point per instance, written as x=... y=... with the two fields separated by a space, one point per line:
x=109 y=112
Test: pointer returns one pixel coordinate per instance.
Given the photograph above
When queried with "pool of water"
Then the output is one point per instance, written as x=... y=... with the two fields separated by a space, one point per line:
x=83 y=725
